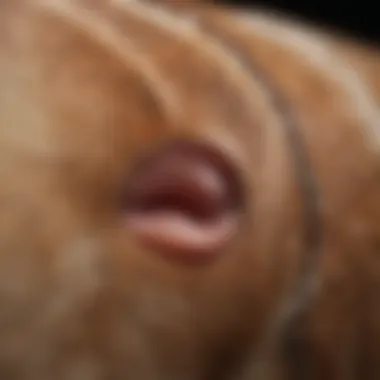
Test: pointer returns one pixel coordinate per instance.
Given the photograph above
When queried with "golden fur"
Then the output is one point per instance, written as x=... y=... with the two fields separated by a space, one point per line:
x=87 y=86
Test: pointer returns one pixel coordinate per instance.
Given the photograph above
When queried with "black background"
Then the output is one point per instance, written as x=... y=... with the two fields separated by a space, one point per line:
x=357 y=18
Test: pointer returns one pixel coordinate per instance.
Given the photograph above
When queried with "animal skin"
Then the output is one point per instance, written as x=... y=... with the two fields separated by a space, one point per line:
x=187 y=192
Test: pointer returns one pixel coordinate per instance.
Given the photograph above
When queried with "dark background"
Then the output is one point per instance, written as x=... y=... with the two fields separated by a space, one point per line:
x=357 y=18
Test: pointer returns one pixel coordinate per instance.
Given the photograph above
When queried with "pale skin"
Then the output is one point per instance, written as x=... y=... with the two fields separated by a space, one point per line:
x=154 y=220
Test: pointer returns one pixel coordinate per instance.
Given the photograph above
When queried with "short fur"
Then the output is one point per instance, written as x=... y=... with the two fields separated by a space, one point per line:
x=87 y=87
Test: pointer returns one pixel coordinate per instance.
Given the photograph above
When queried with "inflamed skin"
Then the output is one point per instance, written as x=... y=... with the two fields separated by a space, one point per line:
x=187 y=192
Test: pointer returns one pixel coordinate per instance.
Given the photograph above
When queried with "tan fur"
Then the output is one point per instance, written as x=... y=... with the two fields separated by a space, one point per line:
x=88 y=86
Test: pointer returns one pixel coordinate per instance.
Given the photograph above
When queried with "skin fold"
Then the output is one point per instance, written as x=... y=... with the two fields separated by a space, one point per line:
x=89 y=88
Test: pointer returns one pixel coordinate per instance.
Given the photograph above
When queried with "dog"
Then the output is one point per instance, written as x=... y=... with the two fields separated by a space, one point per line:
x=187 y=191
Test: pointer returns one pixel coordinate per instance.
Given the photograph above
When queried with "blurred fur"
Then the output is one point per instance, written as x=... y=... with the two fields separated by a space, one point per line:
x=88 y=86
